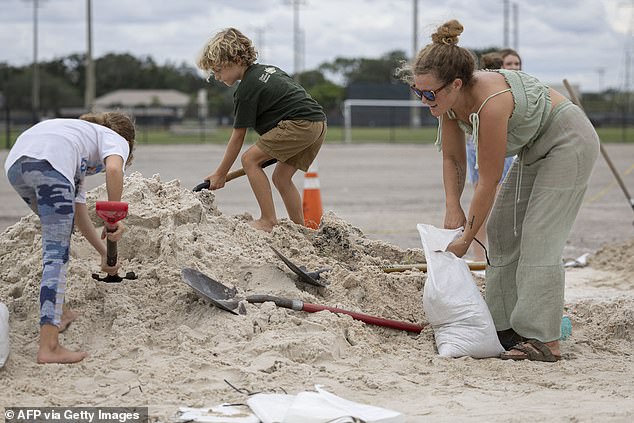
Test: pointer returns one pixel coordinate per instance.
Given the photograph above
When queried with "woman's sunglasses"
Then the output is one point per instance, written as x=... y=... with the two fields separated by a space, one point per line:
x=429 y=95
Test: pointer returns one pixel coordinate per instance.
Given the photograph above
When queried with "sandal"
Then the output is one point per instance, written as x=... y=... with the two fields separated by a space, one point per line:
x=509 y=338
x=533 y=350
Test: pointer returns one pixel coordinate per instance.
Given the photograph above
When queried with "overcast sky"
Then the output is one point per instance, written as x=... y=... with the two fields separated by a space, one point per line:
x=582 y=40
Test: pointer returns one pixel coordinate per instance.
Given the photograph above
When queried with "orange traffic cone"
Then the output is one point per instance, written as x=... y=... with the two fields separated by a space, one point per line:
x=312 y=199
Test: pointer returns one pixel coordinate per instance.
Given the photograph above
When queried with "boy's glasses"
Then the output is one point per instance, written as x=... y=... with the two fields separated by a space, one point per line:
x=429 y=95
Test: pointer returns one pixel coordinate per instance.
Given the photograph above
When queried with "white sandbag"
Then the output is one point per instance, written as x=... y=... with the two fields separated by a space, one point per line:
x=317 y=407
x=4 y=334
x=452 y=302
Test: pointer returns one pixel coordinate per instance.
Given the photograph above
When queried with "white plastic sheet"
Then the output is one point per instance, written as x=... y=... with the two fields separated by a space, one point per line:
x=222 y=413
x=317 y=407
x=452 y=302
x=4 y=334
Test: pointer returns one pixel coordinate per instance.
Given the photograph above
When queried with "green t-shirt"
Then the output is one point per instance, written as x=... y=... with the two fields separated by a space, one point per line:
x=267 y=95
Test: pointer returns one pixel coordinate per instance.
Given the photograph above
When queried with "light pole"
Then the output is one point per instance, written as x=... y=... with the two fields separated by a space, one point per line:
x=89 y=95
x=414 y=113
x=627 y=79
x=601 y=72
x=506 y=42
x=35 y=89
x=259 y=40
x=516 y=31
x=297 y=38
x=6 y=106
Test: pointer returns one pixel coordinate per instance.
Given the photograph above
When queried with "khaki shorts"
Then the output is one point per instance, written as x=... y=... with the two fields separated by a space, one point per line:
x=294 y=142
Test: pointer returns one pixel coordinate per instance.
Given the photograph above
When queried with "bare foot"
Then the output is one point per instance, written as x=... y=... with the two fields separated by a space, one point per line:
x=51 y=351
x=60 y=355
x=68 y=316
x=263 y=225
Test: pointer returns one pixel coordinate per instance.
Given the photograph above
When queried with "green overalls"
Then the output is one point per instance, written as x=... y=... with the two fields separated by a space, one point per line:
x=536 y=207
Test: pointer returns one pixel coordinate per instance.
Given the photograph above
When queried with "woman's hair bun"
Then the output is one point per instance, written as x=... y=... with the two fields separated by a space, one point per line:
x=448 y=33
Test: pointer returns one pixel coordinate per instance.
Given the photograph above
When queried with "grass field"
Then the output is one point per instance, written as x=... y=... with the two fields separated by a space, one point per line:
x=400 y=135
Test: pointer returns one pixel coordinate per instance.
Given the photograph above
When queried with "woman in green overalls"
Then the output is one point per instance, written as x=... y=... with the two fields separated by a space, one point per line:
x=508 y=113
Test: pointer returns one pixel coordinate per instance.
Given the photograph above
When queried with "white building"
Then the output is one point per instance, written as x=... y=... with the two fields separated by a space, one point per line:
x=151 y=104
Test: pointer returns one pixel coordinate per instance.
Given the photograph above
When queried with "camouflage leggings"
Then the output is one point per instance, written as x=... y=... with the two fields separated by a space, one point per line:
x=51 y=196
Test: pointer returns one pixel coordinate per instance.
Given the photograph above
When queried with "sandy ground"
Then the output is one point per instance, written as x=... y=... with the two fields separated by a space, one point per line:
x=154 y=342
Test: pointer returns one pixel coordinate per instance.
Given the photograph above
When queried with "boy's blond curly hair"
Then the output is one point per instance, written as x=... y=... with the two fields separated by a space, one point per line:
x=229 y=46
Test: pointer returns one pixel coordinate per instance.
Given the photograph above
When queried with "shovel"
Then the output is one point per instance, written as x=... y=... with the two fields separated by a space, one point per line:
x=603 y=151
x=218 y=294
x=311 y=278
x=224 y=298
x=111 y=212
x=475 y=265
x=231 y=175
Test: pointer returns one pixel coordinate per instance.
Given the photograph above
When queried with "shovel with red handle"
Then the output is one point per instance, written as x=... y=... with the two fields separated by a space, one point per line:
x=299 y=305
x=225 y=298
x=111 y=212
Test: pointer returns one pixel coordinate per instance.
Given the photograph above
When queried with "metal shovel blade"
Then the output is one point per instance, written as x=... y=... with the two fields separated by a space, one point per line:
x=303 y=275
x=215 y=292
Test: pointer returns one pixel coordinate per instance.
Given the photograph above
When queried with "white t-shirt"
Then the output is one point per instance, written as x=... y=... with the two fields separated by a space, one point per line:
x=75 y=148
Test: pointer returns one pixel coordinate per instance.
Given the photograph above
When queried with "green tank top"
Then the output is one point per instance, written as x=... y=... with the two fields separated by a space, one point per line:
x=267 y=95
x=531 y=109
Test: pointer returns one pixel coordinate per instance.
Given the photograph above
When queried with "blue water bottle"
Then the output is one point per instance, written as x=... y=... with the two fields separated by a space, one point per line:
x=566 y=328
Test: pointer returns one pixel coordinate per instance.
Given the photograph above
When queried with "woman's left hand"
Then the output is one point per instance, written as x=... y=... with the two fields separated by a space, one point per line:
x=459 y=247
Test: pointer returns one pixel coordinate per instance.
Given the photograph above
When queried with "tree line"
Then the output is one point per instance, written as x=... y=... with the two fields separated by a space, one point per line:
x=63 y=80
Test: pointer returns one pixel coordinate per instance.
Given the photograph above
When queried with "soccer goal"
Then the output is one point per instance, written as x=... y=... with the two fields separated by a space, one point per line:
x=350 y=103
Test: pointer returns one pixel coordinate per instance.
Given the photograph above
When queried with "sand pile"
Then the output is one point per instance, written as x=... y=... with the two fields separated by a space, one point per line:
x=158 y=317
x=619 y=257
x=154 y=342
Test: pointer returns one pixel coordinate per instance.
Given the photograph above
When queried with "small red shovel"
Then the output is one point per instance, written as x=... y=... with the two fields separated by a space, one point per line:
x=111 y=212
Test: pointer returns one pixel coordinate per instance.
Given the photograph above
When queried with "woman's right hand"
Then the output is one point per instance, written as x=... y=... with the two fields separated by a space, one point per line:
x=454 y=218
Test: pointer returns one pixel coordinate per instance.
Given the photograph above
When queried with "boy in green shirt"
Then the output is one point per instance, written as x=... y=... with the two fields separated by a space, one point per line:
x=291 y=125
